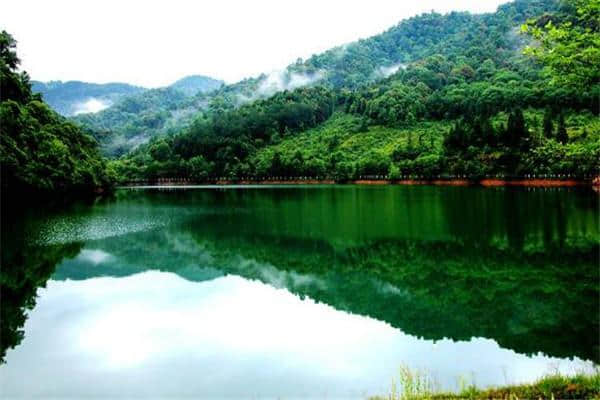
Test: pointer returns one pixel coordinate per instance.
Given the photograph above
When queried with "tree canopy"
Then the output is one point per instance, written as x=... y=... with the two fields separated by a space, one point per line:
x=39 y=149
x=568 y=43
x=475 y=107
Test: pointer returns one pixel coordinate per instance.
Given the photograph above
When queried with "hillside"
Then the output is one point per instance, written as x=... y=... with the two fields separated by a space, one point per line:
x=456 y=36
x=133 y=114
x=134 y=120
x=484 y=110
x=194 y=84
x=339 y=148
x=40 y=151
x=75 y=97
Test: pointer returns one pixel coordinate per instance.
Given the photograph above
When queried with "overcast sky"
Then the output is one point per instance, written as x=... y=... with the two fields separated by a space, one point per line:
x=153 y=43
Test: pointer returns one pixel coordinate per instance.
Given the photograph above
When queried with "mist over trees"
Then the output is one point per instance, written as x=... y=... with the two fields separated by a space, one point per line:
x=465 y=101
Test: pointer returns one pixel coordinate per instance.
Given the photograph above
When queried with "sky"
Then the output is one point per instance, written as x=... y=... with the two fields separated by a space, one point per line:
x=153 y=43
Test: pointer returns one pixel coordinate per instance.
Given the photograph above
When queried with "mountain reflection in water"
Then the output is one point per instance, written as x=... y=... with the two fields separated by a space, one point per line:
x=439 y=273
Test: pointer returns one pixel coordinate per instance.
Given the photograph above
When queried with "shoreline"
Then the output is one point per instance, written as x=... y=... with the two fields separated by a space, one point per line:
x=488 y=182
x=418 y=385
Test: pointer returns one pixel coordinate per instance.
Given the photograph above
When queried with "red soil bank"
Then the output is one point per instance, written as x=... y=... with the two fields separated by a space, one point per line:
x=532 y=182
x=293 y=182
x=443 y=182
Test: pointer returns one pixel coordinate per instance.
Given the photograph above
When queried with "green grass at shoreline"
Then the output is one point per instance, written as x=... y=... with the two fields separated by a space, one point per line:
x=416 y=385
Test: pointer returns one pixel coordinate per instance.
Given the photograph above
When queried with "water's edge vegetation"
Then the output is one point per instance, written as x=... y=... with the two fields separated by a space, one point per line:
x=417 y=385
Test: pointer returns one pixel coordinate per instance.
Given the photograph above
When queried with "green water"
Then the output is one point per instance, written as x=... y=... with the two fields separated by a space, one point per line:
x=298 y=291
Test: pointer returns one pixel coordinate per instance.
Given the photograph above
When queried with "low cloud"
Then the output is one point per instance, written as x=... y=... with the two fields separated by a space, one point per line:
x=385 y=71
x=278 y=81
x=91 y=105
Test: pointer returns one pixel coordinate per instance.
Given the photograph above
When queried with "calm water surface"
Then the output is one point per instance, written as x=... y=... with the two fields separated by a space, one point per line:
x=297 y=292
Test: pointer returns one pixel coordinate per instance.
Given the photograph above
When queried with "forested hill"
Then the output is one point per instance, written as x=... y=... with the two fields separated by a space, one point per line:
x=452 y=35
x=75 y=97
x=458 y=34
x=457 y=95
x=194 y=84
x=479 y=102
x=40 y=151
x=137 y=118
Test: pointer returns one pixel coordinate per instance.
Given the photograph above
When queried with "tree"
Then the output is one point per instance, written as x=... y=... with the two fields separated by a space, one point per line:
x=515 y=130
x=409 y=141
x=198 y=169
x=276 y=164
x=160 y=151
x=8 y=55
x=13 y=86
x=548 y=126
x=40 y=151
x=561 y=133
x=568 y=44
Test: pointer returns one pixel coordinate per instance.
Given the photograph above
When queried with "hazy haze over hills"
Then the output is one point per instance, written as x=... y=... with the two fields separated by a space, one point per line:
x=134 y=121
x=74 y=97
x=226 y=39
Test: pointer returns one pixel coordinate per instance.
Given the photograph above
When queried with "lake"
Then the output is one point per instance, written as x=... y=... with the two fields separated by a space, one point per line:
x=298 y=291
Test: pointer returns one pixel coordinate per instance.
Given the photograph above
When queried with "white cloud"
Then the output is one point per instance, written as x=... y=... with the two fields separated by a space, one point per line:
x=389 y=70
x=153 y=43
x=280 y=80
x=92 y=105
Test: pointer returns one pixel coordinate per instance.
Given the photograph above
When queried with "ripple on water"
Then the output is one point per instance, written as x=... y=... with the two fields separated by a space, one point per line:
x=77 y=229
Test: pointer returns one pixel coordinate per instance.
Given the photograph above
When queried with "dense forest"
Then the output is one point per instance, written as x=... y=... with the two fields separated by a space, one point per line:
x=473 y=96
x=515 y=93
x=41 y=151
x=121 y=116
x=136 y=119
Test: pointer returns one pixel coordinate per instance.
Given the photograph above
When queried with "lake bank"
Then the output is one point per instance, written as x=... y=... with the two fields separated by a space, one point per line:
x=415 y=385
x=488 y=182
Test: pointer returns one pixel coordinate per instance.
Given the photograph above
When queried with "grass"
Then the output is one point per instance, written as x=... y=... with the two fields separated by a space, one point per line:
x=417 y=385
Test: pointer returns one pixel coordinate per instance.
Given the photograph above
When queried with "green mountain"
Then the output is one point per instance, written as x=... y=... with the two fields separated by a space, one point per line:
x=457 y=34
x=40 y=151
x=194 y=84
x=127 y=106
x=466 y=101
x=75 y=97
x=136 y=119
x=455 y=95
x=454 y=35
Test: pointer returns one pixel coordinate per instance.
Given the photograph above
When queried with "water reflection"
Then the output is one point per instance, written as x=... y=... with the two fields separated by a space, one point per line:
x=365 y=272
x=156 y=334
x=24 y=269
